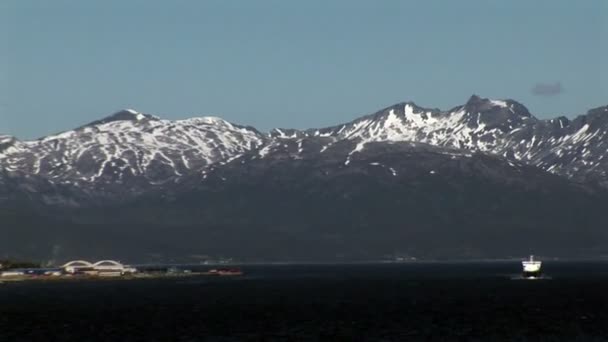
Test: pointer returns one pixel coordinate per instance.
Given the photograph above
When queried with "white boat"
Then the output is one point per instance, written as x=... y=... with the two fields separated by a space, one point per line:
x=532 y=268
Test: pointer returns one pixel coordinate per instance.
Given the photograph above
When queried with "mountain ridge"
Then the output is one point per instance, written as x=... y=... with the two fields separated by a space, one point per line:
x=467 y=182
x=144 y=151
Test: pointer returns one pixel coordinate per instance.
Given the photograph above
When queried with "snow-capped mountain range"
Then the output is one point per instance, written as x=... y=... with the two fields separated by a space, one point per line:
x=127 y=146
x=131 y=152
x=576 y=149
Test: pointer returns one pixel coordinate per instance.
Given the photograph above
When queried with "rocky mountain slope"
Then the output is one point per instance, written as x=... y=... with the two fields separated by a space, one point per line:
x=392 y=199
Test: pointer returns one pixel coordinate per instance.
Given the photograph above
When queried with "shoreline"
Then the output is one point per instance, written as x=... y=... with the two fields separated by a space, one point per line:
x=137 y=276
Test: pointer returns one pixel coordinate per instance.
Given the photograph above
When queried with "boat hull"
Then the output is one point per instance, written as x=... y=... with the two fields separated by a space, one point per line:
x=532 y=274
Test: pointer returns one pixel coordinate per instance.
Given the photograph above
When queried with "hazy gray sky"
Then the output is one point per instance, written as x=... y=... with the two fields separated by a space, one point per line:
x=292 y=63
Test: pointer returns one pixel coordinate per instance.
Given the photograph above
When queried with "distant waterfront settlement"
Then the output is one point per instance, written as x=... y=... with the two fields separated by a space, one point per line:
x=81 y=269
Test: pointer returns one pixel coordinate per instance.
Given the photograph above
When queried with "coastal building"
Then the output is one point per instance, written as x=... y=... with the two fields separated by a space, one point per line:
x=104 y=268
x=77 y=266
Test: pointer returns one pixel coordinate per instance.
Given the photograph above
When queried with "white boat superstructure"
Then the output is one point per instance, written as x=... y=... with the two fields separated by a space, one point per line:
x=532 y=268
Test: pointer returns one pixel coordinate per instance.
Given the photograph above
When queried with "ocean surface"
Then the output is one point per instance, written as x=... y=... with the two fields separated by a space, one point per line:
x=369 y=302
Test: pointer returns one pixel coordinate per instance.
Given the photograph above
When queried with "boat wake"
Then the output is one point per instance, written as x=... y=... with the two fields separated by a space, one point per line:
x=521 y=277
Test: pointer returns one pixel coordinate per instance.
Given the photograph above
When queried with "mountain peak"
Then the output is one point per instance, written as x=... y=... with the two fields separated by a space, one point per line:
x=412 y=105
x=124 y=115
x=207 y=120
x=6 y=141
x=596 y=117
x=6 y=138
x=476 y=101
x=599 y=111
x=477 y=104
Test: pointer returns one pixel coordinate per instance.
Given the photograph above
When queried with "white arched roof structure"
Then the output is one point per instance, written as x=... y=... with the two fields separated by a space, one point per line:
x=77 y=263
x=108 y=265
x=102 y=267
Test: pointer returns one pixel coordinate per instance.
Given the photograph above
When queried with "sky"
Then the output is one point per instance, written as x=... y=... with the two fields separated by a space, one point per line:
x=296 y=64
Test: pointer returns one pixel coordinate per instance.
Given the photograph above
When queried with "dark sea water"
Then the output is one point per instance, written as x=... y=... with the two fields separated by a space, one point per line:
x=385 y=302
